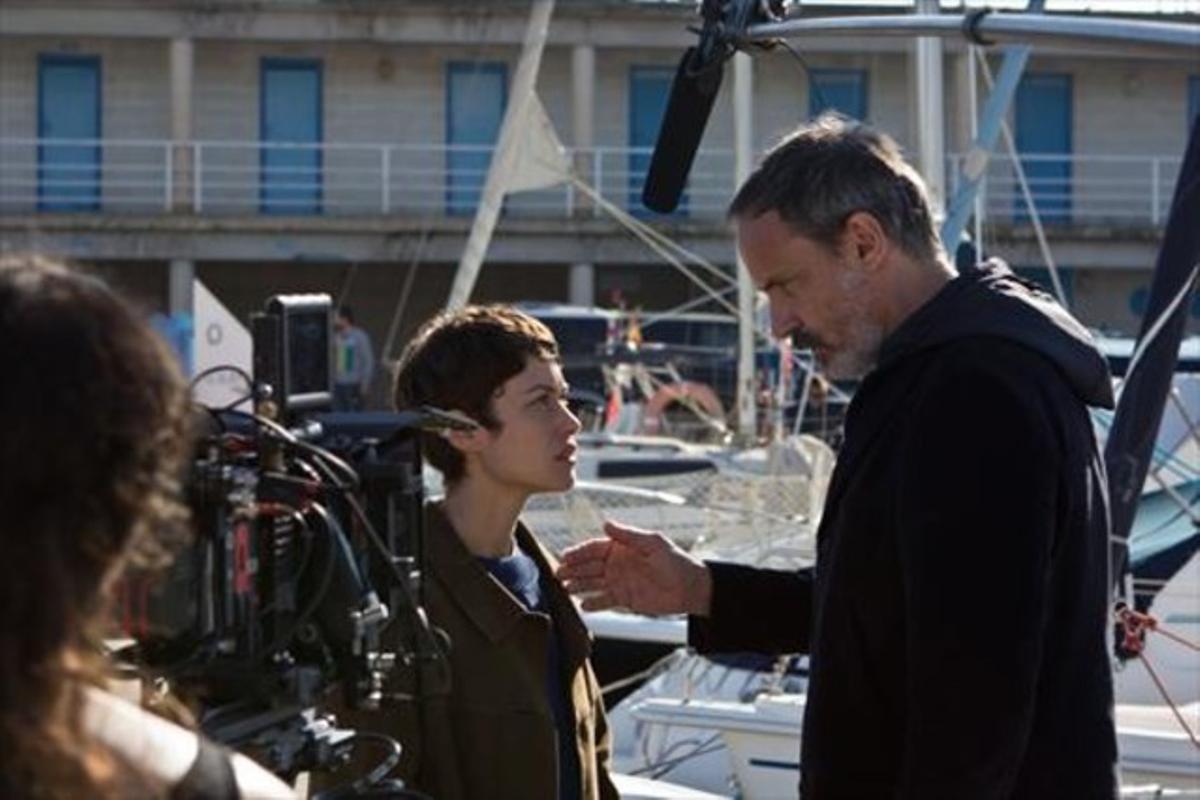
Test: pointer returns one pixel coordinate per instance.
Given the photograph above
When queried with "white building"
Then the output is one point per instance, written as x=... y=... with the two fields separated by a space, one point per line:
x=304 y=145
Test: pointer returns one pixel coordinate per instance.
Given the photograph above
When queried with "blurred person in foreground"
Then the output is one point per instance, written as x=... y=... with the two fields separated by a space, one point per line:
x=957 y=611
x=524 y=718
x=95 y=439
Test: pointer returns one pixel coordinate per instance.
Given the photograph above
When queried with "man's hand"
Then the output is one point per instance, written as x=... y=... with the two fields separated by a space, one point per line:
x=638 y=570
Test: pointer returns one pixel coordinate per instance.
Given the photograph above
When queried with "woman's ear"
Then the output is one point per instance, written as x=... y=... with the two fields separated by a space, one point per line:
x=468 y=441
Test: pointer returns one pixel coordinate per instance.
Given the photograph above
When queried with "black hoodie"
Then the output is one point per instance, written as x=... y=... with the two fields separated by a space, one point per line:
x=956 y=617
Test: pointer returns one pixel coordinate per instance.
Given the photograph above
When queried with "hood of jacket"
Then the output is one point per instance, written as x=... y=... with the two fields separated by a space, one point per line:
x=992 y=301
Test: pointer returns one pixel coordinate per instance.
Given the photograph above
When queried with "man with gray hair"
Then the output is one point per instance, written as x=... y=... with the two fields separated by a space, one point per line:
x=956 y=617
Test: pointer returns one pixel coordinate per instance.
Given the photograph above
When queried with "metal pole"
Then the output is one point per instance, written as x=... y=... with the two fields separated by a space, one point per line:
x=1130 y=37
x=385 y=177
x=743 y=147
x=975 y=161
x=931 y=113
x=197 y=182
x=1154 y=191
x=981 y=189
x=504 y=156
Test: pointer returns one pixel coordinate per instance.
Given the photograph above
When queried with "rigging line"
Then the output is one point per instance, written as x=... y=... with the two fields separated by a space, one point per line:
x=405 y=291
x=1177 y=401
x=638 y=677
x=1184 y=504
x=347 y=282
x=813 y=84
x=981 y=189
x=1035 y=216
x=670 y=313
x=1170 y=703
x=657 y=248
x=634 y=223
x=1175 y=637
x=653 y=239
x=1156 y=328
x=1163 y=459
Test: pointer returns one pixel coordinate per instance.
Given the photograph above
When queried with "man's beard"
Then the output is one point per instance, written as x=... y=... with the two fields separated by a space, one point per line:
x=860 y=354
x=864 y=336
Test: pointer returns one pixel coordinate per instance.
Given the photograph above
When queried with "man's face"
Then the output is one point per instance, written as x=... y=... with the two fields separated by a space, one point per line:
x=534 y=448
x=340 y=323
x=817 y=295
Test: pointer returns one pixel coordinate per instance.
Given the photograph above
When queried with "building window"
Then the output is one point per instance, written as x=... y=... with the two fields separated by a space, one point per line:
x=475 y=100
x=649 y=89
x=291 y=131
x=842 y=90
x=68 y=109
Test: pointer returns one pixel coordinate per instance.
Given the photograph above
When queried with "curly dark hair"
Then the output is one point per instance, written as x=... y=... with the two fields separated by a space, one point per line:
x=458 y=360
x=96 y=432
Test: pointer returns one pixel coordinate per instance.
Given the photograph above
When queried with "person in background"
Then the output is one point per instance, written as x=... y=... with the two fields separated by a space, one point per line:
x=94 y=446
x=957 y=613
x=524 y=718
x=354 y=362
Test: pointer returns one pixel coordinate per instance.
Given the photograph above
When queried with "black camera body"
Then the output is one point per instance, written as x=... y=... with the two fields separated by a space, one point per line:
x=303 y=575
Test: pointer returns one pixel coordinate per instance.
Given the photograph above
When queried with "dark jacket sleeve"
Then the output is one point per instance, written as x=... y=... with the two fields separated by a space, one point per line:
x=976 y=518
x=755 y=610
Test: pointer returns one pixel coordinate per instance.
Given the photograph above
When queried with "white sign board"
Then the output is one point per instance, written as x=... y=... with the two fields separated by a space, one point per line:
x=220 y=340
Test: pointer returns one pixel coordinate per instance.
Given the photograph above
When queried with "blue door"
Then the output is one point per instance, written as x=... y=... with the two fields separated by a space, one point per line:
x=1043 y=115
x=69 y=108
x=475 y=100
x=290 y=181
x=649 y=88
x=843 y=90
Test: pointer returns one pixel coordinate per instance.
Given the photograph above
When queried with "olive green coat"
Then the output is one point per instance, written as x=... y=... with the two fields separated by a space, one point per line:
x=493 y=735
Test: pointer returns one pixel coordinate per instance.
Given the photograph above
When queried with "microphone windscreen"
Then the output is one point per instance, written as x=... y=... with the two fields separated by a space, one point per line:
x=688 y=108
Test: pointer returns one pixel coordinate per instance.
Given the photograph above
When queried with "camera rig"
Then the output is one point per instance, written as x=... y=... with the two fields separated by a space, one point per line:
x=304 y=573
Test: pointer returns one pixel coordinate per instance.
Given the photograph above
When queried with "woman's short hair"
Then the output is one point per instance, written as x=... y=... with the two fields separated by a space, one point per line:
x=459 y=360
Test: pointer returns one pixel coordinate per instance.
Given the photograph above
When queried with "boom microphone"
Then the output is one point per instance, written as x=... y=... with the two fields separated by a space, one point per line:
x=692 y=95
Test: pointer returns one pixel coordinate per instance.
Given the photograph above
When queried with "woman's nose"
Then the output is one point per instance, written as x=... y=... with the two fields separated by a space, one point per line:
x=574 y=424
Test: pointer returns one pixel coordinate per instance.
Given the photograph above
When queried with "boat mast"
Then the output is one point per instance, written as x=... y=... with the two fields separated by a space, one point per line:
x=743 y=149
x=504 y=157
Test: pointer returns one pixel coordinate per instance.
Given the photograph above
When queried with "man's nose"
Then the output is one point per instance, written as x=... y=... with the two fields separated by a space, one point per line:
x=783 y=322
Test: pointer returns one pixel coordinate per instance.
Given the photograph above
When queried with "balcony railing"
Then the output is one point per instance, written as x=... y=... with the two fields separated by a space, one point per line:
x=1077 y=189
x=347 y=180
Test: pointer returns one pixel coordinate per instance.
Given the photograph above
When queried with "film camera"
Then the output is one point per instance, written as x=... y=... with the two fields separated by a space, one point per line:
x=303 y=576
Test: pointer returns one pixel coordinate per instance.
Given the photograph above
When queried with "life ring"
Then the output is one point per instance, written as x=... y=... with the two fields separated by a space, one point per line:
x=701 y=394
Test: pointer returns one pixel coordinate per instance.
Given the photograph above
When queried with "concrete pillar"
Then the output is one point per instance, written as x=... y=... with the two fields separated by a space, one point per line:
x=182 y=67
x=931 y=118
x=962 y=124
x=181 y=272
x=583 y=104
x=582 y=290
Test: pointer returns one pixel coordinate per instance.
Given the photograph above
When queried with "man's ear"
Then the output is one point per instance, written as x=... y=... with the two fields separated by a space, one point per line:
x=865 y=241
